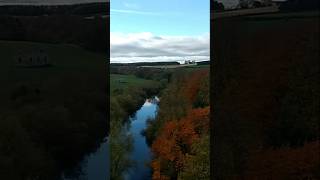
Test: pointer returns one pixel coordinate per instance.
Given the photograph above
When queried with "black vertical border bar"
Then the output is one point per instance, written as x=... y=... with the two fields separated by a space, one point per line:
x=107 y=66
x=108 y=84
x=211 y=89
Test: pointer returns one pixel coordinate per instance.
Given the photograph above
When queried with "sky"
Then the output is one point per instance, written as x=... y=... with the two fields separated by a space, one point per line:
x=166 y=30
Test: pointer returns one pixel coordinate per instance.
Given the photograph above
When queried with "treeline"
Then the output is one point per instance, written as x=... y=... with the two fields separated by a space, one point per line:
x=39 y=10
x=203 y=63
x=91 y=34
x=160 y=75
x=179 y=136
x=145 y=64
x=300 y=5
x=126 y=101
x=216 y=6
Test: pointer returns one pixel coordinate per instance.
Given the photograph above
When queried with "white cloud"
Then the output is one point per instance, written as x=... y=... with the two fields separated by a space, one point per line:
x=126 y=11
x=131 y=5
x=137 y=47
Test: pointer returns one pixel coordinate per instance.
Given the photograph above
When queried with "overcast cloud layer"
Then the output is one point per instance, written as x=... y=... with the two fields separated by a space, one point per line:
x=146 y=47
x=46 y=2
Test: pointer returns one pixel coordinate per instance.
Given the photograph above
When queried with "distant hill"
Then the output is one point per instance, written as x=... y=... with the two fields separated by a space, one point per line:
x=204 y=63
x=47 y=2
x=145 y=64
x=66 y=24
x=86 y=9
x=300 y=5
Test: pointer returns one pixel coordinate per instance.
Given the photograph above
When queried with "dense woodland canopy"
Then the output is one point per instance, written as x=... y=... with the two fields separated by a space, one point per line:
x=266 y=97
x=179 y=136
x=44 y=131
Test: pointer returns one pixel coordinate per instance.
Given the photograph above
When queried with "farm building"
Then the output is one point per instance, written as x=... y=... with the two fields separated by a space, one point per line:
x=35 y=59
x=190 y=62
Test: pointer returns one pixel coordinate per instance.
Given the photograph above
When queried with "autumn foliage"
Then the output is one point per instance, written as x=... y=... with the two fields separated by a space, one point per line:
x=193 y=84
x=286 y=163
x=173 y=144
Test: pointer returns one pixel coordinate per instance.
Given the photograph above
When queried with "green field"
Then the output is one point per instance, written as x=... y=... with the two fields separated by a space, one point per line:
x=63 y=57
x=125 y=82
x=73 y=68
x=200 y=66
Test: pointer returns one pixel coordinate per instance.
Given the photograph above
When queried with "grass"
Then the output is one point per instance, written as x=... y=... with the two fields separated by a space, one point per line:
x=66 y=59
x=62 y=54
x=200 y=66
x=63 y=57
x=72 y=67
x=125 y=82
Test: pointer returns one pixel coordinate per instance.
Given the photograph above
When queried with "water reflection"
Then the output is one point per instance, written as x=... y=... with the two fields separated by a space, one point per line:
x=130 y=154
x=95 y=166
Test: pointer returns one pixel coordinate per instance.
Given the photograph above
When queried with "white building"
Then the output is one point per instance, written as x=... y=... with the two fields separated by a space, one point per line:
x=190 y=62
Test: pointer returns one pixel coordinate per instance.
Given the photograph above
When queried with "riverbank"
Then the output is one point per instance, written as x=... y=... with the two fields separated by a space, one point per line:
x=128 y=96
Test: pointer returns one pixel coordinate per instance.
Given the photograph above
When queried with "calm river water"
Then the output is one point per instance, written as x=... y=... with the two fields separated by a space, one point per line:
x=96 y=165
x=141 y=153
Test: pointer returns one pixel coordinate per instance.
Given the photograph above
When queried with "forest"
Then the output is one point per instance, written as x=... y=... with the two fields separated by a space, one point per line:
x=266 y=97
x=178 y=136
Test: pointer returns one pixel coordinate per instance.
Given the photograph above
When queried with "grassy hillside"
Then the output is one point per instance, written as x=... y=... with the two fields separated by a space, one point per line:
x=58 y=28
x=63 y=55
x=124 y=82
x=56 y=113
x=67 y=61
x=84 y=9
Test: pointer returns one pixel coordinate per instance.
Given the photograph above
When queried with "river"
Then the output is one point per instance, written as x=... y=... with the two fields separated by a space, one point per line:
x=95 y=166
x=141 y=153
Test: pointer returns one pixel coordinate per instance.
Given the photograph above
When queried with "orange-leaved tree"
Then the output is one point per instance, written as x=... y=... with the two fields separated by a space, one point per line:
x=174 y=142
